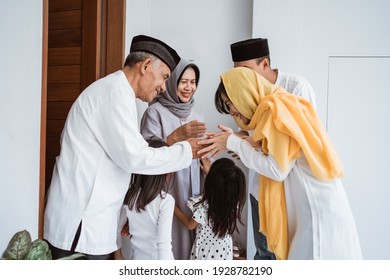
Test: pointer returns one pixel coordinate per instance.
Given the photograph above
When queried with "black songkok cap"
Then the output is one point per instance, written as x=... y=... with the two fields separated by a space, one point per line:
x=156 y=47
x=249 y=49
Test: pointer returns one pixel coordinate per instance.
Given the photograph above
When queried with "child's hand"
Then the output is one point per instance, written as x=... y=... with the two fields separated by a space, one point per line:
x=125 y=230
x=233 y=154
x=118 y=255
x=205 y=164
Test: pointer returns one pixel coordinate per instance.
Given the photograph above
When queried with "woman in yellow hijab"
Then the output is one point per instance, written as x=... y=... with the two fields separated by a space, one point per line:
x=303 y=208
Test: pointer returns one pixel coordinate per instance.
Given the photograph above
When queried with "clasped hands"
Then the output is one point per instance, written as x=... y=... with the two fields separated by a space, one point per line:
x=213 y=143
x=206 y=144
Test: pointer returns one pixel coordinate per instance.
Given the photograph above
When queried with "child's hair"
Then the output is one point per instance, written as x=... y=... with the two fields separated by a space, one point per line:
x=224 y=192
x=144 y=188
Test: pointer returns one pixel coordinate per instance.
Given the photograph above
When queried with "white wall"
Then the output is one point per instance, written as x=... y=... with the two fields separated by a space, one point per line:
x=358 y=124
x=201 y=30
x=306 y=38
x=303 y=35
x=20 y=109
x=138 y=21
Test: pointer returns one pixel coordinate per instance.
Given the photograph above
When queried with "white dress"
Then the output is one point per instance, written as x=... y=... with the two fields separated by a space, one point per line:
x=208 y=246
x=320 y=220
x=151 y=229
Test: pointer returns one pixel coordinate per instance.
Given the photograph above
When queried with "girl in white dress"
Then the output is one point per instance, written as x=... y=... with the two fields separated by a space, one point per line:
x=148 y=209
x=216 y=212
x=303 y=207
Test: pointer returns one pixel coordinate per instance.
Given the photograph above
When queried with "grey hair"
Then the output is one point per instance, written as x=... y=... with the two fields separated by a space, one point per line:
x=134 y=57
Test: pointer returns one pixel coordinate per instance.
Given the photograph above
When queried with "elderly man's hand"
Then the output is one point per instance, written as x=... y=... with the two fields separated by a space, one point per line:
x=195 y=147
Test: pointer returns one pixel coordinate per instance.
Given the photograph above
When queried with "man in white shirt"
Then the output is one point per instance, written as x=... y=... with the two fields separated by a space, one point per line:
x=254 y=54
x=101 y=147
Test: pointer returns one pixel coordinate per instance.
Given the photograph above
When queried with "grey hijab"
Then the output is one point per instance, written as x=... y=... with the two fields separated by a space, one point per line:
x=169 y=98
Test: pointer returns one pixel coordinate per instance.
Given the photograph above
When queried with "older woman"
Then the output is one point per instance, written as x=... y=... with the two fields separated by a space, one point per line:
x=304 y=210
x=172 y=118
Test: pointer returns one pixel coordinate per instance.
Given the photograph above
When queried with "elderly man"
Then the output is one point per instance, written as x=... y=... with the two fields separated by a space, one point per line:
x=101 y=147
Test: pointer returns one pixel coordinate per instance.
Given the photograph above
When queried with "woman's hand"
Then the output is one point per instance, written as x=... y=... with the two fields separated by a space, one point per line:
x=216 y=142
x=193 y=129
x=225 y=128
x=242 y=134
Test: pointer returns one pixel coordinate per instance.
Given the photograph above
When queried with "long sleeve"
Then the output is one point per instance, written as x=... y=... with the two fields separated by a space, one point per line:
x=121 y=222
x=164 y=228
x=257 y=160
x=115 y=126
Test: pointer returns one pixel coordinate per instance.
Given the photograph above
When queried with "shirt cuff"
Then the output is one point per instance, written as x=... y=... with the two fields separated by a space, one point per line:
x=233 y=143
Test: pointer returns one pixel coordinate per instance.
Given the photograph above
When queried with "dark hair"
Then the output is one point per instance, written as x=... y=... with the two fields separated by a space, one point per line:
x=196 y=70
x=218 y=101
x=224 y=192
x=260 y=59
x=144 y=188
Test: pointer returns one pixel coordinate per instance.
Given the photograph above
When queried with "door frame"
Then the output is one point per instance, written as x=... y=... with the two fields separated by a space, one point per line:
x=108 y=26
x=42 y=156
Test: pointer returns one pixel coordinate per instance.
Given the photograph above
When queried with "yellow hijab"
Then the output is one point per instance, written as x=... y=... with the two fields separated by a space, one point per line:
x=286 y=125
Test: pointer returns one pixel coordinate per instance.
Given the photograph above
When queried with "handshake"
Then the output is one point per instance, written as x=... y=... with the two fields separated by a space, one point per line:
x=207 y=144
x=204 y=144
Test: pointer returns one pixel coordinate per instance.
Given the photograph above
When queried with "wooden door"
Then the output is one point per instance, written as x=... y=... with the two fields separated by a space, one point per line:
x=83 y=41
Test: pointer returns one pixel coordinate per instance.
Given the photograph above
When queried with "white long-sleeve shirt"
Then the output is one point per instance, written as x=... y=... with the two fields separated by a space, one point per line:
x=320 y=220
x=100 y=148
x=151 y=230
